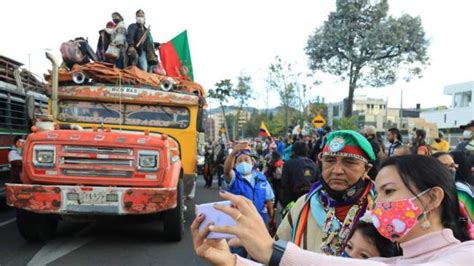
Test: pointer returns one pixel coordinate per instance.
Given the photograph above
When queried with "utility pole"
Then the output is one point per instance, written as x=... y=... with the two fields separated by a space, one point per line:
x=386 y=114
x=401 y=109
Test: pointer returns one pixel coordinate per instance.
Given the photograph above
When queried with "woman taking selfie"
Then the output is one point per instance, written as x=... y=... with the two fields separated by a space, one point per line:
x=416 y=207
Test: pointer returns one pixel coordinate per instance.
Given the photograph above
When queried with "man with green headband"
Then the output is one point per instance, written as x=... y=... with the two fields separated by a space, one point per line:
x=323 y=220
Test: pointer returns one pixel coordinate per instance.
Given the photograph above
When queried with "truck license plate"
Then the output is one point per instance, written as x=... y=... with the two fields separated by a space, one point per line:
x=92 y=198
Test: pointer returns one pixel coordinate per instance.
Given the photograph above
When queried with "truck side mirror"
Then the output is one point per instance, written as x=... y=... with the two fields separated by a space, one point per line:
x=200 y=120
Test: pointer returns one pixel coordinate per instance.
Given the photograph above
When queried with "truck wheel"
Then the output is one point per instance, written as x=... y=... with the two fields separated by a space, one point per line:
x=174 y=219
x=34 y=226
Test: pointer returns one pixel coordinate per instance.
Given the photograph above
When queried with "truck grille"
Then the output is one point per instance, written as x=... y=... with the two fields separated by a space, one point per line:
x=85 y=161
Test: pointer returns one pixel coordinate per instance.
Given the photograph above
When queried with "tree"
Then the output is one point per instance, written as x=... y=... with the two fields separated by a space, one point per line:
x=222 y=93
x=346 y=123
x=242 y=93
x=283 y=79
x=359 y=41
x=252 y=126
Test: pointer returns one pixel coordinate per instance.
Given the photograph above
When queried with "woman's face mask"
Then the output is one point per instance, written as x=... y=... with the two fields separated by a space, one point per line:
x=244 y=168
x=395 y=219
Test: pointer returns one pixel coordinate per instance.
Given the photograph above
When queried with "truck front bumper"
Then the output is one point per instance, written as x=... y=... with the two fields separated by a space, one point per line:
x=90 y=199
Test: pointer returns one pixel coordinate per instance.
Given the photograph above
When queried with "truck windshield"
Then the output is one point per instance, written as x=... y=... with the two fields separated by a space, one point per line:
x=125 y=114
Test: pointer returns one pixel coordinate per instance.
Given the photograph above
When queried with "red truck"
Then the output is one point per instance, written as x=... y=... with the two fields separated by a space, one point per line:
x=108 y=150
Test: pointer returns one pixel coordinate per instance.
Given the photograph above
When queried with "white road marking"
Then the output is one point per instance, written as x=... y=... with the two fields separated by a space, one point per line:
x=7 y=222
x=56 y=249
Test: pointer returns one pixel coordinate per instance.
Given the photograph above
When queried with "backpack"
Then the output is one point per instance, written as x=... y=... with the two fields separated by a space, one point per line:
x=71 y=52
x=304 y=176
x=77 y=51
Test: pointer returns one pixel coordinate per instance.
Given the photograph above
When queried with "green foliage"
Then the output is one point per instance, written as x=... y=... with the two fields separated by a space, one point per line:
x=275 y=123
x=346 y=123
x=230 y=119
x=242 y=93
x=284 y=80
x=251 y=127
x=360 y=42
x=221 y=93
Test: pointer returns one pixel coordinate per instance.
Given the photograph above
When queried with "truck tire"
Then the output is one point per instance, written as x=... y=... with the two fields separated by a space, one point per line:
x=174 y=219
x=34 y=226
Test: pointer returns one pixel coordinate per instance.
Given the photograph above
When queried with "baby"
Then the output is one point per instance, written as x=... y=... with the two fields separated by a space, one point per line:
x=366 y=242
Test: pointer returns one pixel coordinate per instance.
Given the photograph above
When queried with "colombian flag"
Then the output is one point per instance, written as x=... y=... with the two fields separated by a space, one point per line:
x=263 y=131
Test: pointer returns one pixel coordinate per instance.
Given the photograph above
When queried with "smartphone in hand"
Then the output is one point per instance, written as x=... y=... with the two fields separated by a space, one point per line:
x=217 y=217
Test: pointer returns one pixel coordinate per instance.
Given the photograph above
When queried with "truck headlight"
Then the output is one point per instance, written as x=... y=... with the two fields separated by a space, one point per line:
x=147 y=160
x=44 y=155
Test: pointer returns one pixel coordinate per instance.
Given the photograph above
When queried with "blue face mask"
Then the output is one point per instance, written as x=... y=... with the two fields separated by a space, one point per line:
x=244 y=168
x=345 y=255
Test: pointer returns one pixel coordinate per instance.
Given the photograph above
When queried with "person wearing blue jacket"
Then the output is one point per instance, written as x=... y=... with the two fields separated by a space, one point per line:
x=243 y=179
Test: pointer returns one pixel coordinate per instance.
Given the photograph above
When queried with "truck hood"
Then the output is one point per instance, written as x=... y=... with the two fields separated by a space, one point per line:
x=102 y=138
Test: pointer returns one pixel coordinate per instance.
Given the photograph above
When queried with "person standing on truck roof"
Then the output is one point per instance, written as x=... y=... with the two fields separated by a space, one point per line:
x=118 y=41
x=15 y=159
x=138 y=39
x=105 y=37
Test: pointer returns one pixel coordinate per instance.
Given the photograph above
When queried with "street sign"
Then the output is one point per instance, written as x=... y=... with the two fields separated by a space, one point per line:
x=318 y=121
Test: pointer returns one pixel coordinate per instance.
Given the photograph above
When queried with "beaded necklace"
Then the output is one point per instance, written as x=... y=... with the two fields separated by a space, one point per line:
x=336 y=233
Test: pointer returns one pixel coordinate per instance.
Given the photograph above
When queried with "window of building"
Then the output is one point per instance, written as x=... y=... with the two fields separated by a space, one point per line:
x=463 y=99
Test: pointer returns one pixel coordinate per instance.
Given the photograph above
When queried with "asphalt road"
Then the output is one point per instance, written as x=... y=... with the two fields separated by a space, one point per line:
x=112 y=241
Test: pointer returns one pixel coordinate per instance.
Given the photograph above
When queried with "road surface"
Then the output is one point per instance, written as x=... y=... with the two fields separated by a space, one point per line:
x=112 y=241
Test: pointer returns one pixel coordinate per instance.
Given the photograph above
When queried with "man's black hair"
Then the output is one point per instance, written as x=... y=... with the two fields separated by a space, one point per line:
x=17 y=138
x=300 y=148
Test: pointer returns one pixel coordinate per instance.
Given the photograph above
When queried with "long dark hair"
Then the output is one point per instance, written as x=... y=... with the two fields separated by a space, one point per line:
x=420 y=137
x=424 y=172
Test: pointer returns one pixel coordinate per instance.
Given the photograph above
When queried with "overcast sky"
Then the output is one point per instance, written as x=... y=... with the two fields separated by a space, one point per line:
x=230 y=37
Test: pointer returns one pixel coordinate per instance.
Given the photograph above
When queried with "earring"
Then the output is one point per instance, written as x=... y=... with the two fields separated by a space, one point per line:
x=426 y=224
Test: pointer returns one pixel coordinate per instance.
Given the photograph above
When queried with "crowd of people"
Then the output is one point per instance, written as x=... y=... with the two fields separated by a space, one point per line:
x=343 y=194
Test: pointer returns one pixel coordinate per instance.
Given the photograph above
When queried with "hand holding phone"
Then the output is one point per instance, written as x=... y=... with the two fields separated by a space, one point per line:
x=215 y=216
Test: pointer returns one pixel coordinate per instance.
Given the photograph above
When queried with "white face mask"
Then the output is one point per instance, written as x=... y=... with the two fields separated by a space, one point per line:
x=467 y=134
x=109 y=30
x=140 y=20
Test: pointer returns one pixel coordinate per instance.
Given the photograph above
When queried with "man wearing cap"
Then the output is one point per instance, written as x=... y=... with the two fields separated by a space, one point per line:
x=322 y=220
x=140 y=43
x=467 y=143
x=243 y=179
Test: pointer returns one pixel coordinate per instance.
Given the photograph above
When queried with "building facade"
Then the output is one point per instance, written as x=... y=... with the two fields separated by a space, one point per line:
x=462 y=107
x=374 y=112
x=371 y=112
x=215 y=125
